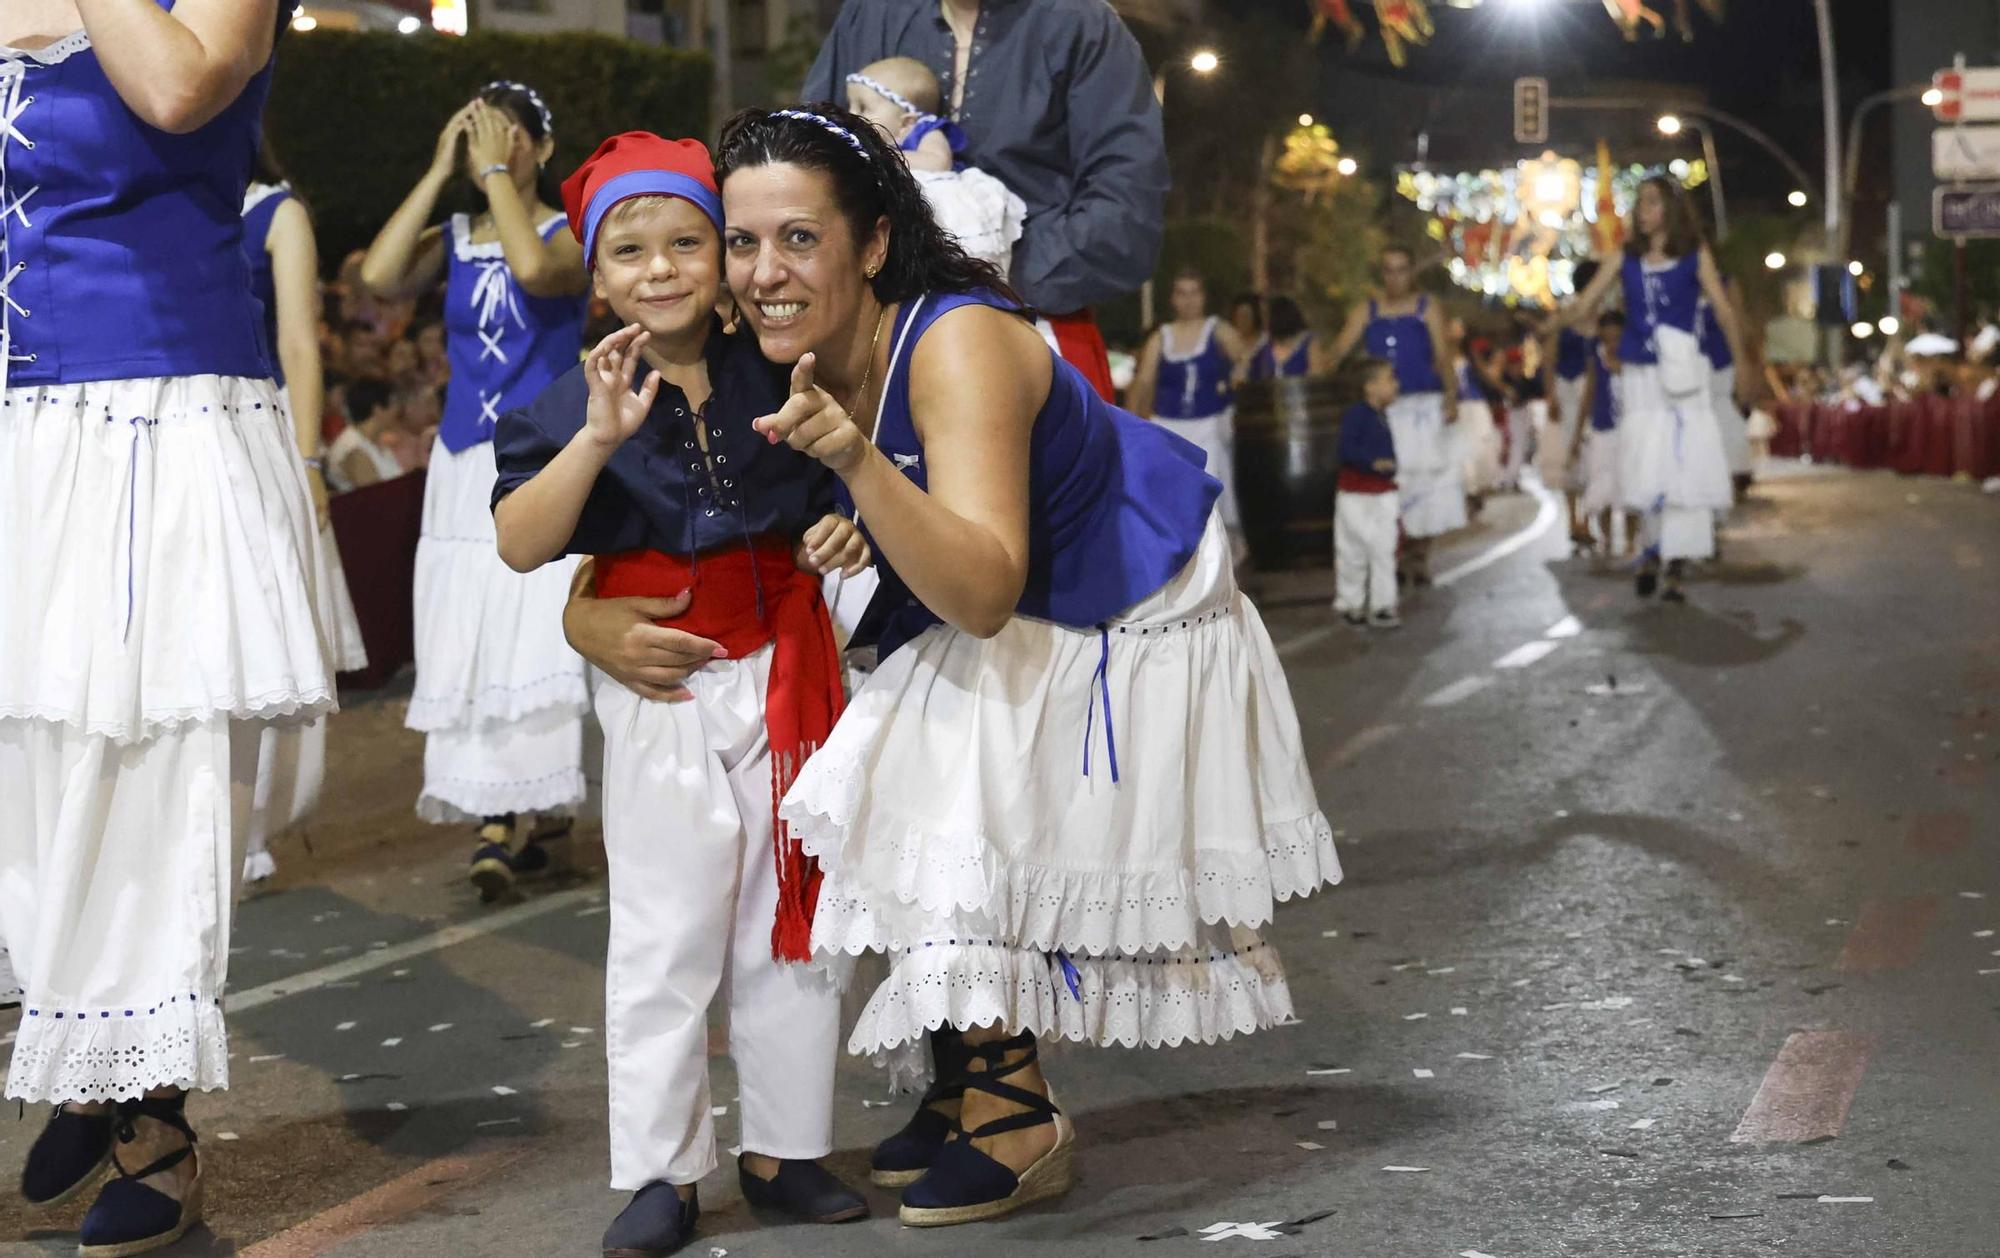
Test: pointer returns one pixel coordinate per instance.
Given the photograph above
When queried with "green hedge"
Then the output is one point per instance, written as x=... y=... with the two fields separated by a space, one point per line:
x=355 y=116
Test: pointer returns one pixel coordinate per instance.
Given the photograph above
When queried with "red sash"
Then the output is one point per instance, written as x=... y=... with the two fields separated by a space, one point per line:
x=804 y=697
x=1082 y=347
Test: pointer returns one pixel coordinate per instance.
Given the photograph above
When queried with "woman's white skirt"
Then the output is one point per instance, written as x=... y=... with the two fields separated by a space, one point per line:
x=1480 y=446
x=498 y=689
x=1430 y=489
x=1074 y=833
x=158 y=592
x=1600 y=468
x=1671 y=463
x=1558 y=437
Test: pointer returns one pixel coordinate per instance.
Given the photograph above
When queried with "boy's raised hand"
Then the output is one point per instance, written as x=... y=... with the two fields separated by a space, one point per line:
x=615 y=411
x=832 y=544
x=812 y=423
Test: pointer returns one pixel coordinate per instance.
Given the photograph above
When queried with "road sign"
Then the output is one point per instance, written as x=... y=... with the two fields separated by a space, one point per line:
x=1531 y=111
x=1968 y=95
x=1970 y=211
x=1965 y=153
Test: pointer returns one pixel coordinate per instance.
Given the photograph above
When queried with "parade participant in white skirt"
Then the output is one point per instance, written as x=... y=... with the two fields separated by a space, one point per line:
x=902 y=96
x=1595 y=454
x=1566 y=366
x=1673 y=467
x=1481 y=446
x=283 y=256
x=157 y=600
x=1187 y=380
x=673 y=490
x=1735 y=424
x=1073 y=790
x=499 y=696
x=1407 y=328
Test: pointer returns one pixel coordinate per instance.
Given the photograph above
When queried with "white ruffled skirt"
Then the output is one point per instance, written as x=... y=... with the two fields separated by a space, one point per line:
x=1429 y=486
x=980 y=212
x=1672 y=467
x=159 y=582
x=1072 y=833
x=498 y=690
x=1558 y=437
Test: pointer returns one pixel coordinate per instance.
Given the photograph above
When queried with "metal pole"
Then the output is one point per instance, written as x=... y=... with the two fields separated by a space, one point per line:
x=1758 y=137
x=1851 y=179
x=1715 y=183
x=1896 y=259
x=1829 y=87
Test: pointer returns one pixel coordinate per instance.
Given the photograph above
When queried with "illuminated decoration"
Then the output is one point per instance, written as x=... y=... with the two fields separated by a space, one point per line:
x=1311 y=161
x=448 y=16
x=1516 y=235
x=1402 y=23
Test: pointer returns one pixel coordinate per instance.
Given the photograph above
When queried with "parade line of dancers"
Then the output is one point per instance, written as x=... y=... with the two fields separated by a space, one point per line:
x=1062 y=804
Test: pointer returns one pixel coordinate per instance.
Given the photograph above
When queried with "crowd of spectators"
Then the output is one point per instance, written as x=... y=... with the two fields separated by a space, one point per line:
x=385 y=376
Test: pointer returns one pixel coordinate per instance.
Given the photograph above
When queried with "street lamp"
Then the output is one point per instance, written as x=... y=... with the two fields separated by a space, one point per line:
x=1305 y=120
x=1347 y=165
x=1889 y=324
x=1204 y=61
x=1855 y=268
x=1863 y=330
x=1669 y=125
x=305 y=22
x=1932 y=97
x=409 y=24
x=1774 y=261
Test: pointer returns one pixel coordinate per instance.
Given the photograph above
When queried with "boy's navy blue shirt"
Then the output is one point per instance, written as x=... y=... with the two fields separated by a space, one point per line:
x=1365 y=441
x=656 y=492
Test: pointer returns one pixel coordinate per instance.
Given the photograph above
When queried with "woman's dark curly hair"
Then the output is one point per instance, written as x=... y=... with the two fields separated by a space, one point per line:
x=871 y=182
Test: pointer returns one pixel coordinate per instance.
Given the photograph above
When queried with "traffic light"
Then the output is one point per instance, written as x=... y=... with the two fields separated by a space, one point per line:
x=1531 y=111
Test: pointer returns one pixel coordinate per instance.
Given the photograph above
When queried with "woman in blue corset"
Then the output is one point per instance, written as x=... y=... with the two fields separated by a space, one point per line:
x=1072 y=791
x=157 y=581
x=499 y=698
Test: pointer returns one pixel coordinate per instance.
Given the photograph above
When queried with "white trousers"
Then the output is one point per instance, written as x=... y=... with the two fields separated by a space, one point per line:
x=694 y=891
x=117 y=879
x=1364 y=552
x=1216 y=435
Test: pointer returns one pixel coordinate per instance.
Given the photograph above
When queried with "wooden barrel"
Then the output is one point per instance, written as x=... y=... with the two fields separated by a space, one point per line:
x=1287 y=447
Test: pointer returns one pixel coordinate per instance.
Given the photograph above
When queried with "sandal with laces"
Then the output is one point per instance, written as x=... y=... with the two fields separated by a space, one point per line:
x=902 y=1159
x=492 y=863
x=67 y=1156
x=129 y=1216
x=965 y=1185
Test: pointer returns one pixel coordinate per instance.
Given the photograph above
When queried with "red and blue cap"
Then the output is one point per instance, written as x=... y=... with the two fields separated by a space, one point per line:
x=638 y=164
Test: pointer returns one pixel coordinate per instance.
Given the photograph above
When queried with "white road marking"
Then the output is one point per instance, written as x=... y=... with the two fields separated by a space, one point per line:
x=1526 y=654
x=1462 y=689
x=1567 y=627
x=436 y=941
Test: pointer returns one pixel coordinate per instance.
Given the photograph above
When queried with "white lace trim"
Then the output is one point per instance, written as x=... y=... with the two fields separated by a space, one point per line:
x=53 y=54
x=113 y=1055
x=491 y=702
x=1192 y=996
x=450 y=802
x=289 y=706
x=922 y=881
x=466 y=251
x=262 y=192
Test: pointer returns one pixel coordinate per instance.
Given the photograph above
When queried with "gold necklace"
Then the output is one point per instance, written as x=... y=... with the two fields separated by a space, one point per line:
x=854 y=406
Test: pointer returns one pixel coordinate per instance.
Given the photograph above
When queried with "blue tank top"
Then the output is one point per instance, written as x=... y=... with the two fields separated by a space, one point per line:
x=1196 y=385
x=1264 y=364
x=1405 y=340
x=1116 y=506
x=1604 y=402
x=1713 y=343
x=504 y=346
x=1573 y=354
x=1666 y=297
x=260 y=208
x=122 y=241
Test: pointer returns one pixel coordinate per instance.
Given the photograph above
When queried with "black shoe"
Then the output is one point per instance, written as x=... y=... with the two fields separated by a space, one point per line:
x=537 y=856
x=1354 y=618
x=655 y=1223
x=129 y=1217
x=802 y=1190
x=1673 y=594
x=1646 y=582
x=903 y=1158
x=967 y=1186
x=492 y=864
x=67 y=1156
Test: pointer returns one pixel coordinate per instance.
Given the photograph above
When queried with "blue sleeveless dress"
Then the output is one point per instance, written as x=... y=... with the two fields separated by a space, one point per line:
x=260 y=208
x=498 y=692
x=1264 y=364
x=1042 y=825
x=157 y=576
x=1195 y=398
x=1673 y=468
x=1429 y=486
x=1729 y=417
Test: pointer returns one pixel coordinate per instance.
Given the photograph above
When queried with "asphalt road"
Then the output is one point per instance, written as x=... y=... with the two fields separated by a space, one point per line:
x=1663 y=926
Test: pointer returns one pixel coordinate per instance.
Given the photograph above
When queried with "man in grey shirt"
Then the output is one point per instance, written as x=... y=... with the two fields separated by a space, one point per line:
x=1056 y=102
